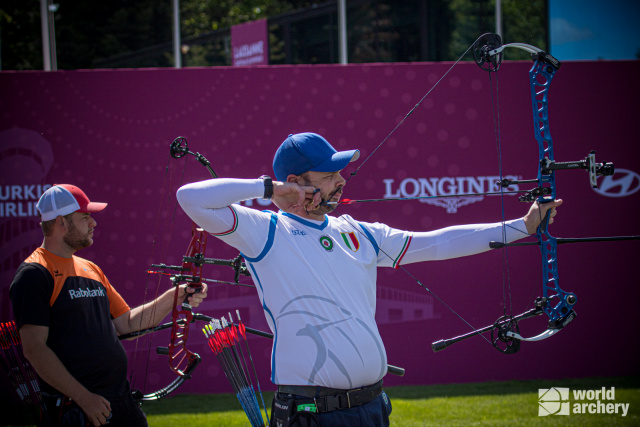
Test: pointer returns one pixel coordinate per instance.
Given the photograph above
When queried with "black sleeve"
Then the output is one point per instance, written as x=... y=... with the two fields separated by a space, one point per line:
x=30 y=293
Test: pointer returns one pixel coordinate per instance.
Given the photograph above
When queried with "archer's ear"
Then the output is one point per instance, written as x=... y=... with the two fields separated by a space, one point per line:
x=61 y=223
x=293 y=178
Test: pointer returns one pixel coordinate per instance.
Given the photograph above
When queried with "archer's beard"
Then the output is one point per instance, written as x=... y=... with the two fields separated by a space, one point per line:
x=76 y=240
x=323 y=209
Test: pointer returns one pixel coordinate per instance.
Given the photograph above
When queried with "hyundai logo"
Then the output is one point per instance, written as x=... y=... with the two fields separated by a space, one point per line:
x=622 y=183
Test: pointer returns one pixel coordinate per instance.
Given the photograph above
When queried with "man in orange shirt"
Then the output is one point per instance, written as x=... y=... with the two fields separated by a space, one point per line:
x=69 y=316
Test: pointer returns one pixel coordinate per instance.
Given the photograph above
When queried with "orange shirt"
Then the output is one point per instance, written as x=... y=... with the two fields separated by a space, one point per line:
x=74 y=299
x=63 y=268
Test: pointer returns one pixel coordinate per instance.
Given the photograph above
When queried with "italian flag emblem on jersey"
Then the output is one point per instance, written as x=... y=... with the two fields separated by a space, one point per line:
x=351 y=240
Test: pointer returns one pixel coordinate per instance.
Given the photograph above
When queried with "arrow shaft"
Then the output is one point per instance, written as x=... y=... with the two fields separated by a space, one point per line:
x=444 y=196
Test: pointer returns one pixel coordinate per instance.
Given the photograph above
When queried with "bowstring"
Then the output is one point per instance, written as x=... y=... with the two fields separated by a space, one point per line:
x=415 y=107
x=165 y=200
x=497 y=129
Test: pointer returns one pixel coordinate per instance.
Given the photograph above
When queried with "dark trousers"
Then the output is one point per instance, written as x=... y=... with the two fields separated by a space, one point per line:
x=125 y=412
x=372 y=414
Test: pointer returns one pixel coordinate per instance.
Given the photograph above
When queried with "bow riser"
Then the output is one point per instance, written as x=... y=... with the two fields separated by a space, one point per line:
x=180 y=358
x=540 y=77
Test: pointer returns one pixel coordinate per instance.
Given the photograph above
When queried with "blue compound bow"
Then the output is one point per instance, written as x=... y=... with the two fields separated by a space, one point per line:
x=556 y=303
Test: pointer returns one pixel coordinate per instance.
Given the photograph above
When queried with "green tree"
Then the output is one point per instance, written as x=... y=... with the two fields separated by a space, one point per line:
x=138 y=33
x=524 y=21
x=21 y=41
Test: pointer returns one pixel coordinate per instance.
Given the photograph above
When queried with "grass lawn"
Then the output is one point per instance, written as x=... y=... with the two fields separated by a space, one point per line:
x=513 y=403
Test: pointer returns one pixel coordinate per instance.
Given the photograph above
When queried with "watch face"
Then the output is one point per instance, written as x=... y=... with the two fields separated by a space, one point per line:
x=268 y=187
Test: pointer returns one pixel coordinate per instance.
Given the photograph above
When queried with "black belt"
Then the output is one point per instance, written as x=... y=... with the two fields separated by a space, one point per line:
x=332 y=399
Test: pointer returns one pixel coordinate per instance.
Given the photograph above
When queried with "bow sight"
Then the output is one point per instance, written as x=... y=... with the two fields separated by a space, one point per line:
x=198 y=260
x=548 y=166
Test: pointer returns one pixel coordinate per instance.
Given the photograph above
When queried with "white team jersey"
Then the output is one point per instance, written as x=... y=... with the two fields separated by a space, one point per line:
x=317 y=280
x=317 y=284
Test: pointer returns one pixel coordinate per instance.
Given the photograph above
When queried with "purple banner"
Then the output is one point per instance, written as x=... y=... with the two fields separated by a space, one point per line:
x=250 y=43
x=109 y=133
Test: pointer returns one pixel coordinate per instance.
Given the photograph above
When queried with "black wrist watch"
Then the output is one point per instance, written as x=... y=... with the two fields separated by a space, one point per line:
x=268 y=187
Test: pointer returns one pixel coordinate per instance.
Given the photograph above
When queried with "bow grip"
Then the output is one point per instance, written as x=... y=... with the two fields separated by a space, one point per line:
x=545 y=221
x=197 y=288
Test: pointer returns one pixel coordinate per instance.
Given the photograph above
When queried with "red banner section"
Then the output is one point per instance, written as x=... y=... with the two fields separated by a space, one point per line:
x=109 y=133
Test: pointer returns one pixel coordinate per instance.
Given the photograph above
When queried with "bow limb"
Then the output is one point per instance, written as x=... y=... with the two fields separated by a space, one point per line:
x=177 y=382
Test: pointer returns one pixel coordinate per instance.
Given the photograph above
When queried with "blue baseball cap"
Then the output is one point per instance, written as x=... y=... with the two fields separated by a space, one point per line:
x=308 y=151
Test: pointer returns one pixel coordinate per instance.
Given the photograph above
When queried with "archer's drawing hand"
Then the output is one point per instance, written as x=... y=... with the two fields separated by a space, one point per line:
x=537 y=212
x=289 y=196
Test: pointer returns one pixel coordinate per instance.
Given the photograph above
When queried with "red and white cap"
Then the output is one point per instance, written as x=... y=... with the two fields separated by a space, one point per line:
x=63 y=199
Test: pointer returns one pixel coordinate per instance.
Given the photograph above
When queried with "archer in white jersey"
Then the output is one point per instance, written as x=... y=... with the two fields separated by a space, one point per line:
x=315 y=273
